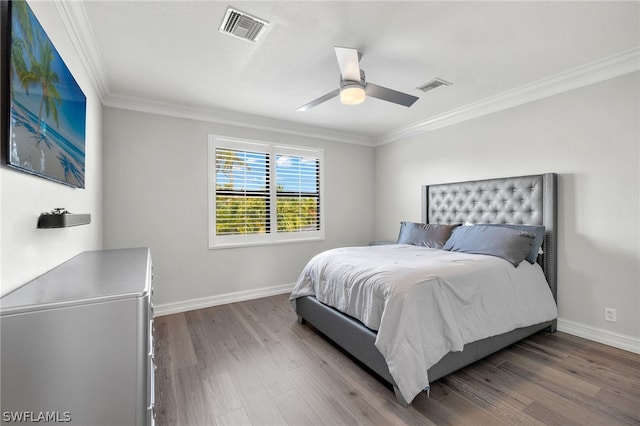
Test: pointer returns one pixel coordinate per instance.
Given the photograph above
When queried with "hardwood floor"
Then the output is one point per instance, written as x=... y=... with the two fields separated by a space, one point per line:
x=251 y=363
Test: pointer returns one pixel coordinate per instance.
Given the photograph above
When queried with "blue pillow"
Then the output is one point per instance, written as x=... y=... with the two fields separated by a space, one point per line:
x=424 y=235
x=510 y=244
x=536 y=230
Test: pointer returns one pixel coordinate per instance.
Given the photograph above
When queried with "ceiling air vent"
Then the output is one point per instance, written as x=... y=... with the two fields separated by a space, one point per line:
x=433 y=84
x=242 y=25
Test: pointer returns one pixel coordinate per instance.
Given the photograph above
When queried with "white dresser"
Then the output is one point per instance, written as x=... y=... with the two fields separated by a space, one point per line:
x=76 y=344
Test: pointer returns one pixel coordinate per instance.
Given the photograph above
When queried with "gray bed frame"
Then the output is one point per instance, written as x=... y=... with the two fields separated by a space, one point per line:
x=529 y=200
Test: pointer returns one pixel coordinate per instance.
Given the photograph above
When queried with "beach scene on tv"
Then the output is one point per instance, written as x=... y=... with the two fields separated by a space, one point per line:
x=48 y=108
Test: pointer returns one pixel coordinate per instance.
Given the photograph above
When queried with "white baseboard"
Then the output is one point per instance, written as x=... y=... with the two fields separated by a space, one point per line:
x=222 y=299
x=599 y=335
x=610 y=338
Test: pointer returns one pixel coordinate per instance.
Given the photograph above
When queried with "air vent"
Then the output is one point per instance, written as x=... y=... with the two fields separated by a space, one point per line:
x=242 y=25
x=433 y=84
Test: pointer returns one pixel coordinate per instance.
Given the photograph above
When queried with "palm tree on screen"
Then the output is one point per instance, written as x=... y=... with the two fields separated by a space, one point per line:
x=32 y=62
x=21 y=47
x=69 y=168
x=47 y=80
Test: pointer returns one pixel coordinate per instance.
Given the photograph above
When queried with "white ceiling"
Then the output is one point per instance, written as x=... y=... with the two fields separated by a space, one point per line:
x=171 y=53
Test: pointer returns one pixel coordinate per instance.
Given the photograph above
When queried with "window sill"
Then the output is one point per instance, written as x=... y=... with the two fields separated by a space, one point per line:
x=264 y=243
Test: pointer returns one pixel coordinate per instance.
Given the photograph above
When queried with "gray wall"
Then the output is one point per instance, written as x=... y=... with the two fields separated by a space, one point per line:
x=25 y=251
x=590 y=137
x=156 y=195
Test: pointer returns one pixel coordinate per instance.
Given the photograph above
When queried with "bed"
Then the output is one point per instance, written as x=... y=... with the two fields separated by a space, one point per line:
x=523 y=200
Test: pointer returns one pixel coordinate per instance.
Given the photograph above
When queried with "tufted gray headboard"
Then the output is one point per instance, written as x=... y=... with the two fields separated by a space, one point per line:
x=528 y=200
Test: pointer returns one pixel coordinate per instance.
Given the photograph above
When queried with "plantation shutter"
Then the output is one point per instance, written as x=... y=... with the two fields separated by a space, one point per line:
x=263 y=193
x=298 y=193
x=242 y=192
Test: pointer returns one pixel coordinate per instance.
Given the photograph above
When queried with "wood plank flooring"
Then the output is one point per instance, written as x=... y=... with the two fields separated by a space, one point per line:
x=251 y=363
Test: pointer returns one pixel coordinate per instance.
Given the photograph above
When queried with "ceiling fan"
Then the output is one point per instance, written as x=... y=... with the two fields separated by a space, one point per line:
x=353 y=86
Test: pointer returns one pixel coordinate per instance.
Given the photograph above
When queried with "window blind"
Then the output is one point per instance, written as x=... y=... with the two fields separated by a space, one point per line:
x=242 y=192
x=263 y=193
x=298 y=193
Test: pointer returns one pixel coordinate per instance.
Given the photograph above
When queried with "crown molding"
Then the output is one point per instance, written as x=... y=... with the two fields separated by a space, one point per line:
x=232 y=118
x=76 y=23
x=601 y=70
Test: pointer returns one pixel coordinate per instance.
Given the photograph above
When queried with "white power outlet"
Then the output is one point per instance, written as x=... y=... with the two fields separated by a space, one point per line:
x=610 y=314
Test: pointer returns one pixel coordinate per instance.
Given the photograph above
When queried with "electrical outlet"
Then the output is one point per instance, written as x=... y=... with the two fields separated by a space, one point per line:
x=610 y=314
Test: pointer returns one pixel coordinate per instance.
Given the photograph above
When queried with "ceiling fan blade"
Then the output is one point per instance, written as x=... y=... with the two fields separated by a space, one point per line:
x=389 y=95
x=320 y=100
x=349 y=63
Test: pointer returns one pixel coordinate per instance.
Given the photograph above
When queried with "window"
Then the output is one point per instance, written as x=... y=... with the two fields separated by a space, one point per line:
x=263 y=193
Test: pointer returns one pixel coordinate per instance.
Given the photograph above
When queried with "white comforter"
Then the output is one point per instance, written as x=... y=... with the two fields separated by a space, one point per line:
x=426 y=302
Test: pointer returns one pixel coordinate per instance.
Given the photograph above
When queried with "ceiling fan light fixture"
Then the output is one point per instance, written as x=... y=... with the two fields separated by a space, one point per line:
x=352 y=93
x=354 y=87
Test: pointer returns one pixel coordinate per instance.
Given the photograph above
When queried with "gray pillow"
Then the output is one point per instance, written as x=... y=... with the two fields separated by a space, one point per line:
x=536 y=230
x=510 y=244
x=424 y=235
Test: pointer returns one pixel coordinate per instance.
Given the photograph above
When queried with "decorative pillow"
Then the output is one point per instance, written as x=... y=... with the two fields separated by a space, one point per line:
x=424 y=234
x=536 y=230
x=510 y=244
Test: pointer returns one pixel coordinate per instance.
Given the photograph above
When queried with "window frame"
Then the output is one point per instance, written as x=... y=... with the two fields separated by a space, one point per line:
x=274 y=236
